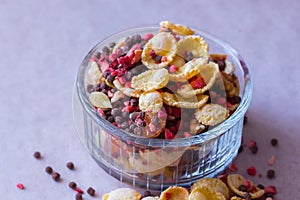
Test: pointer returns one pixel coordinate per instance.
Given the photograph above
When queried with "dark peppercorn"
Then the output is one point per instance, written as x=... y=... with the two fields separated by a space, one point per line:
x=56 y=176
x=270 y=173
x=254 y=149
x=72 y=185
x=243 y=188
x=37 y=155
x=49 y=170
x=261 y=186
x=91 y=191
x=78 y=197
x=112 y=44
x=70 y=165
x=274 y=142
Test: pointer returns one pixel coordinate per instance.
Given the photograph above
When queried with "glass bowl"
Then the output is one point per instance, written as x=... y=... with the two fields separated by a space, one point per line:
x=151 y=163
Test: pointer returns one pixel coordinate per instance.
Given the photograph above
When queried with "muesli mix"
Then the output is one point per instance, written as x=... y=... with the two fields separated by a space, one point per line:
x=146 y=84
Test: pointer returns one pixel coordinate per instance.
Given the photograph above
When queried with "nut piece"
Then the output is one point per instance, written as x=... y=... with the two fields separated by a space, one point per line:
x=163 y=44
x=150 y=80
x=211 y=114
x=176 y=28
x=122 y=194
x=214 y=184
x=150 y=101
x=175 y=193
x=100 y=100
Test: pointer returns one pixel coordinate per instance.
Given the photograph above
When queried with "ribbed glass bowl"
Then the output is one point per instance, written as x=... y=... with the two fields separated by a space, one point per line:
x=155 y=164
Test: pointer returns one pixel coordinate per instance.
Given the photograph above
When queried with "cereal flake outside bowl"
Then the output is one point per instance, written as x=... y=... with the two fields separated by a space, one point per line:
x=155 y=163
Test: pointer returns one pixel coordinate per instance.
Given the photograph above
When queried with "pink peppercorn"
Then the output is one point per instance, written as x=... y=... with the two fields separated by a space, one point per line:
x=147 y=36
x=173 y=69
x=251 y=171
x=164 y=59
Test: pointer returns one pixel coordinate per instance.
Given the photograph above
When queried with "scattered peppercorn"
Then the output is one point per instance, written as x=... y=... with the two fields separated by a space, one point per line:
x=37 y=155
x=251 y=171
x=49 y=170
x=243 y=188
x=78 y=196
x=72 y=185
x=261 y=186
x=270 y=173
x=254 y=149
x=70 y=165
x=91 y=191
x=56 y=176
x=274 y=142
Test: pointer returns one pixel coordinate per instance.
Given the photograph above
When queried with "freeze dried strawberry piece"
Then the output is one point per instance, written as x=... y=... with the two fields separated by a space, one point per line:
x=125 y=61
x=271 y=189
x=232 y=167
x=251 y=171
x=197 y=82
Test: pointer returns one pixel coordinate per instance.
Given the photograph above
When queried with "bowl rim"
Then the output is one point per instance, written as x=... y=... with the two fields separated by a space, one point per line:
x=199 y=139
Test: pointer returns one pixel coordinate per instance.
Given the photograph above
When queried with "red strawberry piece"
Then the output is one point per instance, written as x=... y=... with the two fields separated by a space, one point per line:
x=271 y=189
x=114 y=73
x=20 y=186
x=251 y=171
x=198 y=83
x=169 y=134
x=129 y=108
x=125 y=61
x=232 y=167
x=78 y=190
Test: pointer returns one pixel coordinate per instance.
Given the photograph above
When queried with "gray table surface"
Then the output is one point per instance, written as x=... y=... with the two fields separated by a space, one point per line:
x=43 y=42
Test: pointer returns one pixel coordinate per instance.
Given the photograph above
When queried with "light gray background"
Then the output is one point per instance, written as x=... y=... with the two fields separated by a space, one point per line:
x=43 y=42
